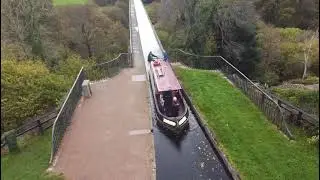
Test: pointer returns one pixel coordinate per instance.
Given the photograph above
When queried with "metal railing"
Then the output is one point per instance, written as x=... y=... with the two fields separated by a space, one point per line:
x=108 y=69
x=298 y=117
x=130 y=36
x=264 y=101
x=64 y=116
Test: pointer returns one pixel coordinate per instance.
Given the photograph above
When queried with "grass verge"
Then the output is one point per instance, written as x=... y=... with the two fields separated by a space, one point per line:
x=69 y=2
x=31 y=162
x=252 y=143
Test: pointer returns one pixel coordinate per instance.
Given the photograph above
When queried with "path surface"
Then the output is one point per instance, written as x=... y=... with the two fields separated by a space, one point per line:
x=109 y=137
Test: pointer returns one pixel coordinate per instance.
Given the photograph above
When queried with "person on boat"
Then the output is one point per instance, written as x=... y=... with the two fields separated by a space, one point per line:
x=161 y=102
x=165 y=56
x=175 y=106
x=167 y=97
x=151 y=56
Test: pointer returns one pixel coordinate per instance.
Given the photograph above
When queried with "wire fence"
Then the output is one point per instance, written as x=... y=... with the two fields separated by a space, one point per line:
x=130 y=36
x=110 y=68
x=64 y=116
x=264 y=101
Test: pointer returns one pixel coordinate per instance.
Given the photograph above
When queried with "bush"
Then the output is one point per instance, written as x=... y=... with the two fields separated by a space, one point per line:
x=28 y=89
x=163 y=37
x=116 y=14
x=152 y=10
x=308 y=81
x=314 y=139
x=13 y=51
x=70 y=67
x=271 y=78
x=307 y=100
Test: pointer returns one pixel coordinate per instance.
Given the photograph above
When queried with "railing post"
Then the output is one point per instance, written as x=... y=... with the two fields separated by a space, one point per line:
x=40 y=129
x=107 y=71
x=11 y=140
x=262 y=99
x=299 y=116
x=279 y=102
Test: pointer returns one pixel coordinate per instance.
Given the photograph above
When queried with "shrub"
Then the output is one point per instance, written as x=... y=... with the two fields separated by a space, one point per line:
x=309 y=80
x=163 y=37
x=314 y=140
x=152 y=10
x=271 y=78
x=28 y=89
x=116 y=14
x=307 y=100
x=70 y=67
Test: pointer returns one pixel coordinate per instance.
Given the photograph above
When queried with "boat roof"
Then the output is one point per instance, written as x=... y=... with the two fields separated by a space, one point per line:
x=166 y=80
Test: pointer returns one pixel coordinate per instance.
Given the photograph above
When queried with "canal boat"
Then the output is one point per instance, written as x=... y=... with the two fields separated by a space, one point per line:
x=171 y=110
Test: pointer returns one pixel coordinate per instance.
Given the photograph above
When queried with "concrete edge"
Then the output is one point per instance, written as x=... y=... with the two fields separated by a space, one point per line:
x=211 y=138
x=151 y=127
x=149 y=103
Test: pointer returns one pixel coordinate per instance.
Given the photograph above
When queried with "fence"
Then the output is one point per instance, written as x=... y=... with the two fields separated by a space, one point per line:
x=298 y=117
x=64 y=116
x=130 y=36
x=40 y=124
x=108 y=69
x=265 y=102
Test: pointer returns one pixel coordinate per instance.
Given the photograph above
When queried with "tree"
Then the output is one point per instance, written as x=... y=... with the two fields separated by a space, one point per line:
x=215 y=27
x=303 y=14
x=268 y=39
x=153 y=11
x=309 y=46
x=117 y=14
x=291 y=53
x=31 y=26
x=287 y=53
x=89 y=32
x=236 y=34
x=22 y=23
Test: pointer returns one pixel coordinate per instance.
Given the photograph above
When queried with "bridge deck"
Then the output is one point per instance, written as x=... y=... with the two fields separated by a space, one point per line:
x=110 y=133
x=109 y=137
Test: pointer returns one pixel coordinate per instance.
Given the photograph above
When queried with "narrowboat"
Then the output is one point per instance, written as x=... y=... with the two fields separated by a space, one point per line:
x=170 y=106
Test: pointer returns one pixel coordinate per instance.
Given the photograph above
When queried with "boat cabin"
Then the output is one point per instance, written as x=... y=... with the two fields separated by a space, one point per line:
x=167 y=89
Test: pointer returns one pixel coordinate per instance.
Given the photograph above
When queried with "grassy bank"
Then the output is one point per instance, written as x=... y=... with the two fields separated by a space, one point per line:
x=252 y=144
x=31 y=162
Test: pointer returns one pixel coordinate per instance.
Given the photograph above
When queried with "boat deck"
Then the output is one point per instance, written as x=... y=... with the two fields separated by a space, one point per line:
x=166 y=82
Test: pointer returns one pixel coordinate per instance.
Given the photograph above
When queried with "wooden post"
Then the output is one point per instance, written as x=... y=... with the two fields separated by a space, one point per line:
x=299 y=116
x=279 y=102
x=262 y=99
x=11 y=140
x=40 y=129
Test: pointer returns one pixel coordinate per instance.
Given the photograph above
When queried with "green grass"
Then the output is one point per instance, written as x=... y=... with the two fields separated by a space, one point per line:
x=31 y=162
x=68 y=2
x=252 y=144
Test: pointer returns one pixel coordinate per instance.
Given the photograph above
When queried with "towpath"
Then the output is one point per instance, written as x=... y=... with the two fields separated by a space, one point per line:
x=109 y=137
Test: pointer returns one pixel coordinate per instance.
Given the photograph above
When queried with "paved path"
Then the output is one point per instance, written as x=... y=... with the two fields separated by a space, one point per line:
x=109 y=137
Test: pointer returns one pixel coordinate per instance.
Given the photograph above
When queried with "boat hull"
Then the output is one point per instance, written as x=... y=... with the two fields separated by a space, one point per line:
x=173 y=124
x=178 y=128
